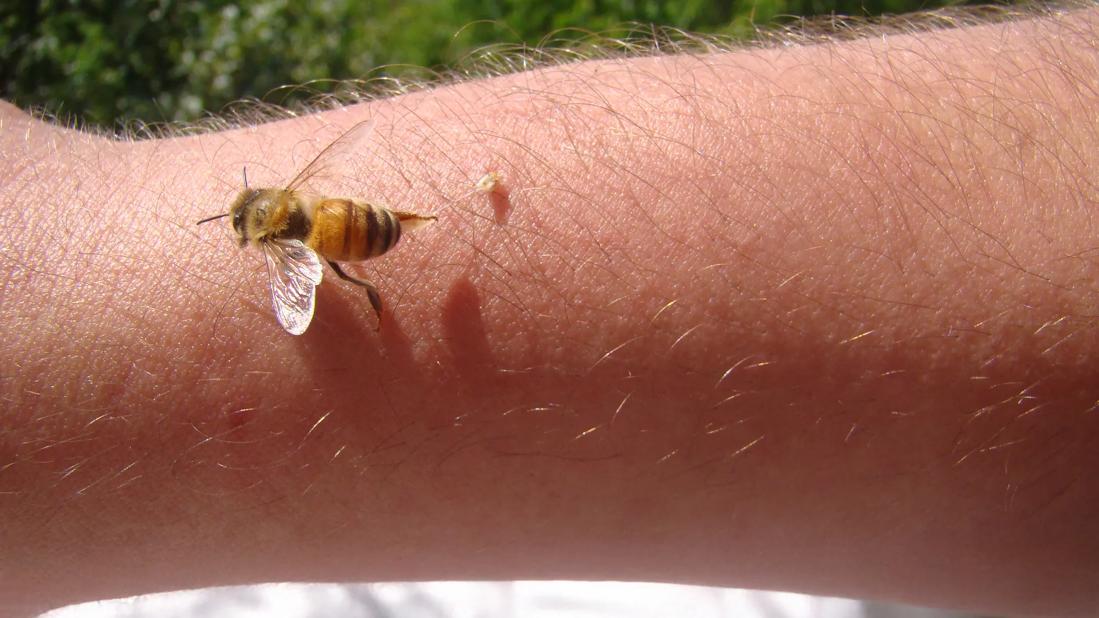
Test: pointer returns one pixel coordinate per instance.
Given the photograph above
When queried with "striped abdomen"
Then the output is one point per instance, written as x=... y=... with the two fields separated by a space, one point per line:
x=346 y=230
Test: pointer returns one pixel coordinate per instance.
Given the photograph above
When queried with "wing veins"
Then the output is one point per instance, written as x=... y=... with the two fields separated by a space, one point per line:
x=325 y=156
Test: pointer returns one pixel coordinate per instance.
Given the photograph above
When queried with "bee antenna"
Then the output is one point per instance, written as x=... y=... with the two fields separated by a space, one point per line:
x=212 y=218
x=245 y=171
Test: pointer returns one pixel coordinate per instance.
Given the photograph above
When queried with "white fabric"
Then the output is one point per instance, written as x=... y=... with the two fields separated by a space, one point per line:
x=523 y=599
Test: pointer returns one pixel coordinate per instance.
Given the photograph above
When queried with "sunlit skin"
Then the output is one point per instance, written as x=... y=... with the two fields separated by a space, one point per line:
x=813 y=318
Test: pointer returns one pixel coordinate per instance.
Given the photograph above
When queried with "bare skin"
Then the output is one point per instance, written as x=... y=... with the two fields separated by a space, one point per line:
x=816 y=319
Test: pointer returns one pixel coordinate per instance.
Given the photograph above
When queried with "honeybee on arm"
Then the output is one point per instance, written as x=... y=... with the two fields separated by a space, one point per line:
x=295 y=229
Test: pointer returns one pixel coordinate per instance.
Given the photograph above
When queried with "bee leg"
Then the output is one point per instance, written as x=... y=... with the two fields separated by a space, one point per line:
x=371 y=291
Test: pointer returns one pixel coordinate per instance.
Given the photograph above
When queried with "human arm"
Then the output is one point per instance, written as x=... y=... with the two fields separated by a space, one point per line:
x=815 y=318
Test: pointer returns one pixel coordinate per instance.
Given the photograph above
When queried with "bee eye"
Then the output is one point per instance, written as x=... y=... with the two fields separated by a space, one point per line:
x=238 y=219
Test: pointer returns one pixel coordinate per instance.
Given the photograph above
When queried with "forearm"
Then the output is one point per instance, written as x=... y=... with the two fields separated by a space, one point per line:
x=812 y=319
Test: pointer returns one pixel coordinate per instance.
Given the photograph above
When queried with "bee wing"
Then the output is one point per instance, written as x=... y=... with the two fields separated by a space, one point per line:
x=295 y=272
x=340 y=148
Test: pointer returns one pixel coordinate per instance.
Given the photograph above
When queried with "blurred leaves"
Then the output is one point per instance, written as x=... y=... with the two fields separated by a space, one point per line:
x=158 y=60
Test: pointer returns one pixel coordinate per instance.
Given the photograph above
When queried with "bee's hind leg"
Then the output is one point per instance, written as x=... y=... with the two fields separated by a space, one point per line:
x=371 y=291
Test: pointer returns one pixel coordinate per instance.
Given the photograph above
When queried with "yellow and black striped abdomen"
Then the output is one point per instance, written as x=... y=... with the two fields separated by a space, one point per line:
x=346 y=230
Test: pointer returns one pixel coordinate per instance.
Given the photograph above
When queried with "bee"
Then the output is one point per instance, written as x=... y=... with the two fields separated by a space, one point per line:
x=295 y=229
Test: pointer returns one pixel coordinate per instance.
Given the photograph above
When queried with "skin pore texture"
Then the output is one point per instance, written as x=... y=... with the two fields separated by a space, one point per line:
x=816 y=318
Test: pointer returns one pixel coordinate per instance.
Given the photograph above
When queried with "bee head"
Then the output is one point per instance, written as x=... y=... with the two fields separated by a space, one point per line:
x=249 y=214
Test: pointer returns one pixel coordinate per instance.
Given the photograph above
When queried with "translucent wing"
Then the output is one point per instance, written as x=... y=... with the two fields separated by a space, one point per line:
x=340 y=148
x=295 y=272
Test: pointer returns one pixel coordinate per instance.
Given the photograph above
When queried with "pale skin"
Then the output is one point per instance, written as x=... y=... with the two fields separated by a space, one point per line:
x=815 y=318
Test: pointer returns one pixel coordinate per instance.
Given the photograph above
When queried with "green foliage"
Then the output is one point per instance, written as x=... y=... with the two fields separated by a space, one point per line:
x=155 y=60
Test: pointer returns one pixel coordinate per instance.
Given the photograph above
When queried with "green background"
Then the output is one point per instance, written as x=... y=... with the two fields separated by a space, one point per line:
x=113 y=62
